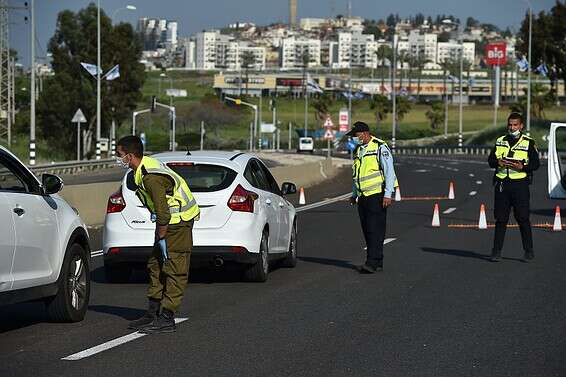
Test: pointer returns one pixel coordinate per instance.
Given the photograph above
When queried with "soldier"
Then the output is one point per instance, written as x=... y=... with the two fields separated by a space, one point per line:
x=173 y=208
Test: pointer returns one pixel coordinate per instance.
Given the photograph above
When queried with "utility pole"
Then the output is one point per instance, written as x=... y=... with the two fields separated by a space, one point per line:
x=394 y=94
x=5 y=131
x=98 y=69
x=529 y=69
x=32 y=98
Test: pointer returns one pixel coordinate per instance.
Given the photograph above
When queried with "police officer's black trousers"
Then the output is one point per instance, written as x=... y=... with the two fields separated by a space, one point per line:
x=516 y=195
x=373 y=218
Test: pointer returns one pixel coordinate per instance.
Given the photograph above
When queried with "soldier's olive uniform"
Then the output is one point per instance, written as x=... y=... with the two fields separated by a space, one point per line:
x=168 y=278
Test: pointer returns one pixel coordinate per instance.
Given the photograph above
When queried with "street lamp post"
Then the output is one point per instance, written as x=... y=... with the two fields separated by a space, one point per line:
x=460 y=102
x=98 y=69
x=529 y=68
x=394 y=93
x=32 y=89
x=127 y=7
x=238 y=101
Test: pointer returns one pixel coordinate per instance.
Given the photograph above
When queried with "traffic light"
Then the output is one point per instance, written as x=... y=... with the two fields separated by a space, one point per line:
x=153 y=104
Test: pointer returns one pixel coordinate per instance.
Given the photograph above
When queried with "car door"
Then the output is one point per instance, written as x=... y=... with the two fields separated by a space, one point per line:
x=35 y=223
x=7 y=241
x=281 y=207
x=267 y=202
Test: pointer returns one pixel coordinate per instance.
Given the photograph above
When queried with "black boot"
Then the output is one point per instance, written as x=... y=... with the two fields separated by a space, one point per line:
x=163 y=324
x=495 y=256
x=148 y=317
x=529 y=255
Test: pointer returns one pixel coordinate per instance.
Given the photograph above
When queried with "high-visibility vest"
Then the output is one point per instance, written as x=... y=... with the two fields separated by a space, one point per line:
x=182 y=204
x=366 y=169
x=520 y=152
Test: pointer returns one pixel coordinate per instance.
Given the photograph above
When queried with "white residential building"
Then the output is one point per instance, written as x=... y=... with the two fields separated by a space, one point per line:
x=357 y=50
x=171 y=38
x=312 y=23
x=423 y=45
x=190 y=54
x=215 y=51
x=206 y=50
x=451 y=51
x=293 y=49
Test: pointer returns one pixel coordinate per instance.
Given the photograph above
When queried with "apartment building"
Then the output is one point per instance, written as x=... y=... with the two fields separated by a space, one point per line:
x=293 y=49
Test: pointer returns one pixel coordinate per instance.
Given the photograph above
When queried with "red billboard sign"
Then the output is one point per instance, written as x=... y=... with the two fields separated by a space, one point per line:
x=496 y=53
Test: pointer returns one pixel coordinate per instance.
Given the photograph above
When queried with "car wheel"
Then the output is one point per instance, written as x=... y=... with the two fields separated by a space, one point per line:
x=117 y=274
x=71 y=302
x=258 y=272
x=291 y=258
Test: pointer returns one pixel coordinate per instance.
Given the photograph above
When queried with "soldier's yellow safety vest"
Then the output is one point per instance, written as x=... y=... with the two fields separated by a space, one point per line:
x=520 y=152
x=182 y=204
x=366 y=169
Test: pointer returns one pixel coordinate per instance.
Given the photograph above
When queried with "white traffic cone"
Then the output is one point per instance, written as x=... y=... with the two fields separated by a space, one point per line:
x=397 y=194
x=436 y=216
x=482 y=223
x=451 y=191
x=557 y=227
x=302 y=200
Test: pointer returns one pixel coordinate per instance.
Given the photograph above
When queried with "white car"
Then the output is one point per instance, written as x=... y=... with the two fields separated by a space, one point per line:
x=44 y=245
x=306 y=144
x=245 y=218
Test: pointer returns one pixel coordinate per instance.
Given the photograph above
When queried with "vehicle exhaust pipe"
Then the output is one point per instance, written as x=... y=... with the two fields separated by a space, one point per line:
x=218 y=262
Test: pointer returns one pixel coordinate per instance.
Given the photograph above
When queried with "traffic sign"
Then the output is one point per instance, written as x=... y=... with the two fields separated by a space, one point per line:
x=343 y=120
x=79 y=117
x=329 y=134
x=328 y=123
x=496 y=53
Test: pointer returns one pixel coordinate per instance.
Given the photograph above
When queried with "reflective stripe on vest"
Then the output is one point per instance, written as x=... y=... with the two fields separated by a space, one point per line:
x=182 y=204
x=520 y=152
x=366 y=169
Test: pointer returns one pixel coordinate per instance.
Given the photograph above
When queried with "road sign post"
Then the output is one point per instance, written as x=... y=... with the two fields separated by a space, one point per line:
x=328 y=134
x=78 y=118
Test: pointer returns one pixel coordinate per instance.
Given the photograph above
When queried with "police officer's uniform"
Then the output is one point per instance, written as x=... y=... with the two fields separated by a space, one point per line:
x=512 y=189
x=169 y=199
x=373 y=178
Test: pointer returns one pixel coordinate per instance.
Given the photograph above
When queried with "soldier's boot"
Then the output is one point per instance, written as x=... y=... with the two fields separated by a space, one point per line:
x=529 y=255
x=148 y=318
x=495 y=256
x=163 y=324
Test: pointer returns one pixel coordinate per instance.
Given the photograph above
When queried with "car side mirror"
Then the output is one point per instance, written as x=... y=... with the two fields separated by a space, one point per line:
x=288 y=188
x=51 y=184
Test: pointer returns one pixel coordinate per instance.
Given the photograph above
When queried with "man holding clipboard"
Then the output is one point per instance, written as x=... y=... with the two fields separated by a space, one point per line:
x=514 y=159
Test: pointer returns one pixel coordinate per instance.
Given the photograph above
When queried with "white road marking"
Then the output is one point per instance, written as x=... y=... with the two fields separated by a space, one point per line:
x=472 y=193
x=471 y=175
x=479 y=182
x=456 y=169
x=385 y=242
x=110 y=344
x=449 y=210
x=96 y=253
x=323 y=203
x=421 y=171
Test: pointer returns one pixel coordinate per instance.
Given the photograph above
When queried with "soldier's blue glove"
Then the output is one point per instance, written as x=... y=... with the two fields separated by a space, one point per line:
x=163 y=247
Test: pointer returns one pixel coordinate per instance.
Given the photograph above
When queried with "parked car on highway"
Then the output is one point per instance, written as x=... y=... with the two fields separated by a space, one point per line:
x=44 y=245
x=245 y=218
x=306 y=144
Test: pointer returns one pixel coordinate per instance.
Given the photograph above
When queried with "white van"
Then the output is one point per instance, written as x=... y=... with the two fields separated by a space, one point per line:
x=306 y=144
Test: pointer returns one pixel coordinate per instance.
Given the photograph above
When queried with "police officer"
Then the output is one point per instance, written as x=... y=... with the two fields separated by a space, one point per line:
x=374 y=182
x=514 y=159
x=173 y=208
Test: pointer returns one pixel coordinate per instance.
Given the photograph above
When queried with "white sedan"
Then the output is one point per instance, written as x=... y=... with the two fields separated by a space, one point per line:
x=245 y=218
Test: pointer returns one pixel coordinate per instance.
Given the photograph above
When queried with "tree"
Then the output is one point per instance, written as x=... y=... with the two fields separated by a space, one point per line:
x=419 y=64
x=402 y=107
x=471 y=23
x=322 y=104
x=540 y=99
x=213 y=113
x=381 y=106
x=71 y=87
x=248 y=61
x=383 y=52
x=435 y=114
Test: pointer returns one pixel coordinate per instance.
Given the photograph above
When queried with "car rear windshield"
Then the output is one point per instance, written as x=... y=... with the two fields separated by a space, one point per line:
x=307 y=141
x=203 y=177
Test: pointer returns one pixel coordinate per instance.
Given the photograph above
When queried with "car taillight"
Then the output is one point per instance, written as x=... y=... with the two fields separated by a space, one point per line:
x=116 y=202
x=242 y=200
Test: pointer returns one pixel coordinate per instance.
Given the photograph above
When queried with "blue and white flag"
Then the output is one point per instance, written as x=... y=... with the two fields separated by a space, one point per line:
x=348 y=95
x=312 y=85
x=359 y=95
x=542 y=69
x=453 y=78
x=91 y=68
x=114 y=73
x=523 y=64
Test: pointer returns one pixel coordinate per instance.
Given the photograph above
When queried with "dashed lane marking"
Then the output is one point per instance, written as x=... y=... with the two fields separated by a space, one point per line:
x=479 y=182
x=96 y=253
x=324 y=202
x=471 y=175
x=388 y=240
x=473 y=193
x=449 y=210
x=110 y=344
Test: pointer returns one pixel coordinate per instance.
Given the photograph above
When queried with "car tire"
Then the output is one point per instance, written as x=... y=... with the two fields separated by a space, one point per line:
x=117 y=274
x=259 y=271
x=290 y=260
x=71 y=302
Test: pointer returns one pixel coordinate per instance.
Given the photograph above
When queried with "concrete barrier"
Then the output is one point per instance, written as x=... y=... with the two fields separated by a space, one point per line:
x=91 y=199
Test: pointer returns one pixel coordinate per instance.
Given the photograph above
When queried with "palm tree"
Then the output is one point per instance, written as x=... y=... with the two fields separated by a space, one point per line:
x=402 y=59
x=381 y=106
x=419 y=64
x=383 y=52
x=248 y=60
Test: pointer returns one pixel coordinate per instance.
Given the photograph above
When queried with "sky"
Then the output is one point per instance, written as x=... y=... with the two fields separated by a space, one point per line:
x=194 y=16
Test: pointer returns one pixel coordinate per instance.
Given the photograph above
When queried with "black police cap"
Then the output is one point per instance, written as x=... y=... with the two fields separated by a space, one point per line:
x=358 y=127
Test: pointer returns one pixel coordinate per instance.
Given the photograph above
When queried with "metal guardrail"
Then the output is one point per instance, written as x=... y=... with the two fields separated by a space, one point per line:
x=481 y=150
x=72 y=167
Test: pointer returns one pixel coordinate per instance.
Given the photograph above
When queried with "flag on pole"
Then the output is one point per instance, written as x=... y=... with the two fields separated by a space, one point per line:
x=312 y=85
x=523 y=64
x=453 y=78
x=91 y=68
x=542 y=69
x=114 y=73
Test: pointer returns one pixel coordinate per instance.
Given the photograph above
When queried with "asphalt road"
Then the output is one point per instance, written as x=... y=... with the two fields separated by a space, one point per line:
x=439 y=308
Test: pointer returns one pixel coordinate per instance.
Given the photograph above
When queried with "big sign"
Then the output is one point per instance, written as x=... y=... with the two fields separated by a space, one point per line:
x=496 y=53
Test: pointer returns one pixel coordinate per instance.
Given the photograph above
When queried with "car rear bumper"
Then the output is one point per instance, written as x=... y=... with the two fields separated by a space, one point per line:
x=201 y=256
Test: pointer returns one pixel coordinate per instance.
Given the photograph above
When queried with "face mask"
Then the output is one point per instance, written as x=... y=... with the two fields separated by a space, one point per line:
x=356 y=140
x=120 y=162
x=514 y=133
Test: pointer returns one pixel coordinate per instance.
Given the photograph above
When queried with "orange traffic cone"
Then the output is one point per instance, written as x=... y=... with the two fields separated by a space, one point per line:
x=482 y=223
x=397 y=194
x=451 y=191
x=557 y=227
x=435 y=216
x=302 y=196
